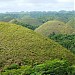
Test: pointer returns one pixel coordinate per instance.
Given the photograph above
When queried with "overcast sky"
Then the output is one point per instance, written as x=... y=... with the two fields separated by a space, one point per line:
x=36 y=5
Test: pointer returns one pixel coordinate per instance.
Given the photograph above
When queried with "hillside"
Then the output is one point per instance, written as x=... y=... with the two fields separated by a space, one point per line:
x=54 y=27
x=28 y=22
x=23 y=46
x=71 y=23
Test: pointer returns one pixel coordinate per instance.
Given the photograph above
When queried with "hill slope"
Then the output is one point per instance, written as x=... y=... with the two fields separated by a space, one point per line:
x=21 y=45
x=28 y=22
x=71 y=23
x=56 y=27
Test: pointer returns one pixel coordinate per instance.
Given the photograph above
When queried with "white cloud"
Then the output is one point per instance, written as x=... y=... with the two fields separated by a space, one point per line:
x=65 y=0
x=41 y=5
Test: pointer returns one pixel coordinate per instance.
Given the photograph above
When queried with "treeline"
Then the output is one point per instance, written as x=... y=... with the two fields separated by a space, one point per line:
x=67 y=41
x=64 y=16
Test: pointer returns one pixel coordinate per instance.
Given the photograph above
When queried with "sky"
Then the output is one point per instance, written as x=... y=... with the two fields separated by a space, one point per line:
x=36 y=5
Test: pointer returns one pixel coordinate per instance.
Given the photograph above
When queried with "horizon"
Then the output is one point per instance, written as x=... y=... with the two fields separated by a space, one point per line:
x=34 y=5
x=35 y=11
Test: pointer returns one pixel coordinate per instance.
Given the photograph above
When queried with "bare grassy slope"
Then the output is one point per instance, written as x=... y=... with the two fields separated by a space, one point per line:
x=19 y=44
x=56 y=27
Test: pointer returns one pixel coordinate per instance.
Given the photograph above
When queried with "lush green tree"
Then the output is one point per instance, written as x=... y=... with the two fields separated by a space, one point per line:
x=54 y=67
x=68 y=41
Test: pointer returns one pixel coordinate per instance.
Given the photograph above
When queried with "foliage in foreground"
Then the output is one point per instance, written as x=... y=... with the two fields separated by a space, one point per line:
x=54 y=67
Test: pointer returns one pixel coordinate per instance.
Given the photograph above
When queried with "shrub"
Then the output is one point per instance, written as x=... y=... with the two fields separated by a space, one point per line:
x=13 y=66
x=54 y=67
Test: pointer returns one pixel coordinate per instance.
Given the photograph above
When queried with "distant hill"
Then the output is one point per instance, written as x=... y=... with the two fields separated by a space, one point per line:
x=54 y=27
x=6 y=18
x=24 y=46
x=28 y=22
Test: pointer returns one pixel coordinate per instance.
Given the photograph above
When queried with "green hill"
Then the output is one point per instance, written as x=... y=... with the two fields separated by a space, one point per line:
x=28 y=22
x=23 y=46
x=71 y=23
x=56 y=27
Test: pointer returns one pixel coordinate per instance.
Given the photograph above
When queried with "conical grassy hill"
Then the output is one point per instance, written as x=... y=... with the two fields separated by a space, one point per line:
x=56 y=27
x=28 y=22
x=21 y=45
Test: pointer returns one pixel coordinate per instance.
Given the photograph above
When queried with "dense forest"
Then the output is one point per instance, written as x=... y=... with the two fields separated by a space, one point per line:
x=37 y=43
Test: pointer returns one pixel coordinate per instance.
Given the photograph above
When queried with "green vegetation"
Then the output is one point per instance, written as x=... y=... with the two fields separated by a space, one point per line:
x=55 y=27
x=71 y=23
x=62 y=33
x=38 y=16
x=28 y=22
x=25 y=47
x=25 y=52
x=15 y=21
x=67 y=41
x=7 y=17
x=54 y=67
